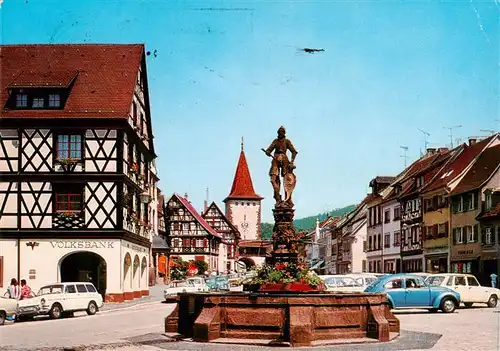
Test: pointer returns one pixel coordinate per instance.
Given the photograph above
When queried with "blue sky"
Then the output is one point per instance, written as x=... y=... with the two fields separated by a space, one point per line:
x=229 y=69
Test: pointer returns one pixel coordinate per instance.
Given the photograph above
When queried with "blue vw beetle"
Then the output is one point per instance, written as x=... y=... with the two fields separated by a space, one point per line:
x=409 y=291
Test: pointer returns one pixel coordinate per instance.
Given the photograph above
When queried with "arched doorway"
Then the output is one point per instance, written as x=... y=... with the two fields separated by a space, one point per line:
x=249 y=263
x=84 y=267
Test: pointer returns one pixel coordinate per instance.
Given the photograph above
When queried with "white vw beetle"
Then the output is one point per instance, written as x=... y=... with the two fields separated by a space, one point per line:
x=63 y=299
x=469 y=288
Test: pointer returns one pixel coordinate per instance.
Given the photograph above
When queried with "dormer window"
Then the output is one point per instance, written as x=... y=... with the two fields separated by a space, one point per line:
x=54 y=100
x=38 y=102
x=22 y=100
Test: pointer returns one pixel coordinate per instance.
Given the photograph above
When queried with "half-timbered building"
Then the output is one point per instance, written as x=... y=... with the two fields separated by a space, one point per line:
x=228 y=253
x=189 y=235
x=76 y=148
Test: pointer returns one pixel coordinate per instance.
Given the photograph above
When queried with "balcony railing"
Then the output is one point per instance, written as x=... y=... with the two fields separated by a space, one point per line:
x=67 y=220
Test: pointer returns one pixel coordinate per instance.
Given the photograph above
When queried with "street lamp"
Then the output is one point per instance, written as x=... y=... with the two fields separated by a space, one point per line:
x=145 y=197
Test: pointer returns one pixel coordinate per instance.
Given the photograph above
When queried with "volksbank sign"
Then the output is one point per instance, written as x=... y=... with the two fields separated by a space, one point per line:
x=83 y=244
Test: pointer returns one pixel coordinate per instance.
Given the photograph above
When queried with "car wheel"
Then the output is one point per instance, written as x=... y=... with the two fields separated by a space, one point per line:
x=2 y=318
x=492 y=301
x=468 y=304
x=56 y=311
x=92 y=309
x=448 y=305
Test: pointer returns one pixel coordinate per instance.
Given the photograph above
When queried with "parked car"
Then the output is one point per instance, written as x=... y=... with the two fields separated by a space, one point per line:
x=342 y=283
x=195 y=284
x=468 y=287
x=8 y=309
x=61 y=300
x=409 y=291
x=364 y=279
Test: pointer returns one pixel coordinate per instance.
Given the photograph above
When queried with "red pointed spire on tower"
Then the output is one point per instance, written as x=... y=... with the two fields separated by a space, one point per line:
x=242 y=184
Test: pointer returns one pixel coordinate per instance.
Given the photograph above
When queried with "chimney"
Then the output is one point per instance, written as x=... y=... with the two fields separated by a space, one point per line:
x=186 y=196
x=205 y=205
x=431 y=151
x=443 y=149
x=472 y=141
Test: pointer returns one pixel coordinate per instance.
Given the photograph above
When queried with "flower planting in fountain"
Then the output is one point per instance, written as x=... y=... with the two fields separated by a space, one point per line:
x=286 y=277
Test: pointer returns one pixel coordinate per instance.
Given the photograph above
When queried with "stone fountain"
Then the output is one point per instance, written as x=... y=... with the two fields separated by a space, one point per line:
x=298 y=313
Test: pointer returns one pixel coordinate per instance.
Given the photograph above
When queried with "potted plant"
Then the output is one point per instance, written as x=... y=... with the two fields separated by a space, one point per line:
x=68 y=164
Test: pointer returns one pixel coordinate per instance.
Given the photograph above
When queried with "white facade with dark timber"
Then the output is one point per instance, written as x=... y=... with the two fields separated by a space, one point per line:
x=229 y=235
x=189 y=236
x=77 y=185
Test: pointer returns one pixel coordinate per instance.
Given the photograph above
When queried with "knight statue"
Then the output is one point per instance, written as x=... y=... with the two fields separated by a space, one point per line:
x=281 y=166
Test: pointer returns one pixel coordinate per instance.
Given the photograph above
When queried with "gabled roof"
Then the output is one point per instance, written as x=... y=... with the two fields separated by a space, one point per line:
x=222 y=215
x=103 y=77
x=420 y=167
x=187 y=205
x=242 y=184
x=465 y=155
x=485 y=166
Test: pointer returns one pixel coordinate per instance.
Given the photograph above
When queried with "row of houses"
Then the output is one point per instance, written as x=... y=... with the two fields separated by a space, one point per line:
x=440 y=214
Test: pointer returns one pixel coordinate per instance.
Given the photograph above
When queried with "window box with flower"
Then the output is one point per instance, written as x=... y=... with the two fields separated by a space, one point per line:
x=68 y=164
x=133 y=169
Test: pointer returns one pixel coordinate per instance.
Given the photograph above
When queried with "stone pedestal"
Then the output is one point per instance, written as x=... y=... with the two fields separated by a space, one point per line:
x=298 y=319
x=285 y=239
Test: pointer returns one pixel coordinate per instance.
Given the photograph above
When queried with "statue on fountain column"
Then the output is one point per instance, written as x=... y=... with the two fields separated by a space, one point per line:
x=282 y=167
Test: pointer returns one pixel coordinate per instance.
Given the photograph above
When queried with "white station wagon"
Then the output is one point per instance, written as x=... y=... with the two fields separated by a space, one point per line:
x=60 y=300
x=469 y=288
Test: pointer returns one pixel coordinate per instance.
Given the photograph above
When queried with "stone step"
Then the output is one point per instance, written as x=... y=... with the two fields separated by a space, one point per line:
x=250 y=334
x=341 y=333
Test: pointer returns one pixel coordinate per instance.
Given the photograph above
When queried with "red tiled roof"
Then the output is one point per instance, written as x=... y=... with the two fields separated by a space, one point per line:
x=457 y=165
x=196 y=215
x=242 y=184
x=481 y=171
x=426 y=165
x=104 y=77
x=51 y=79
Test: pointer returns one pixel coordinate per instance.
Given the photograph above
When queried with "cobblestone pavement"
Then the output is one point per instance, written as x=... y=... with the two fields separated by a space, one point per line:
x=140 y=327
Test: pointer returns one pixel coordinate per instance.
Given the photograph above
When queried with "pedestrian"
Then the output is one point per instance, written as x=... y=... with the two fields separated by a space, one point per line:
x=493 y=277
x=26 y=291
x=14 y=290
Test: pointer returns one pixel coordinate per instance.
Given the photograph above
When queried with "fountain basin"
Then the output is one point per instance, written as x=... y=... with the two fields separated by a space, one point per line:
x=300 y=319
